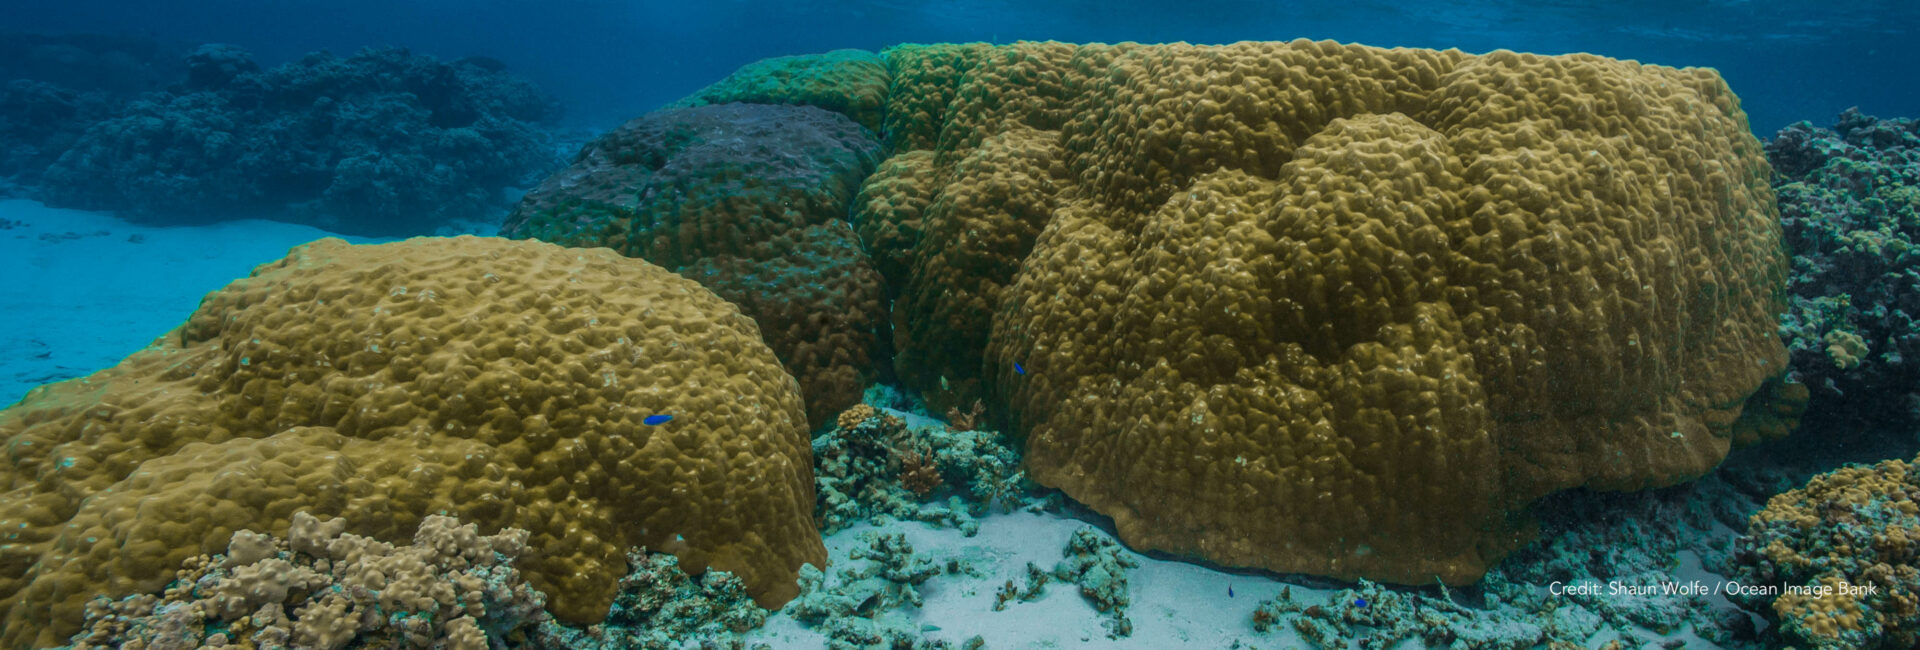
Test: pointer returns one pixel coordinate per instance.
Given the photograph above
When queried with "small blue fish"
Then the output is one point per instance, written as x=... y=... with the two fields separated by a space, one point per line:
x=656 y=420
x=1359 y=602
x=1229 y=590
x=1019 y=368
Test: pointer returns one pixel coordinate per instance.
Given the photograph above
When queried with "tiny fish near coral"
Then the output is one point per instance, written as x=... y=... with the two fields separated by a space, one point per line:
x=657 y=420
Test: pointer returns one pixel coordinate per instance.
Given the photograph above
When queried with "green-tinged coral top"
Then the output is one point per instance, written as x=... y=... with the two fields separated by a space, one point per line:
x=851 y=82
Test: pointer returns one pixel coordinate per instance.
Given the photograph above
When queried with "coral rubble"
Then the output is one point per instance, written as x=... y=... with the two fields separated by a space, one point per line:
x=661 y=607
x=871 y=465
x=862 y=607
x=1099 y=566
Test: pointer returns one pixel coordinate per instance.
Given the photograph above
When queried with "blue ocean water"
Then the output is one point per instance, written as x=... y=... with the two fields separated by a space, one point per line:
x=1789 y=60
x=184 y=174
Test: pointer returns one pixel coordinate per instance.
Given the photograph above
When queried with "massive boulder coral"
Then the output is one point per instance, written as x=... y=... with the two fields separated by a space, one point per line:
x=1834 y=564
x=850 y=82
x=1850 y=205
x=749 y=200
x=508 y=383
x=384 y=142
x=1335 y=309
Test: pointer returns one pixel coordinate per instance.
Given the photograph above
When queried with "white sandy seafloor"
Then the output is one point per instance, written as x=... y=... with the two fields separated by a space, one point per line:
x=1175 y=604
x=83 y=290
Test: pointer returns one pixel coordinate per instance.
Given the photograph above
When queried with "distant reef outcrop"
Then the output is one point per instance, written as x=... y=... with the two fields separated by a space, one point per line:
x=383 y=142
x=1850 y=208
x=52 y=87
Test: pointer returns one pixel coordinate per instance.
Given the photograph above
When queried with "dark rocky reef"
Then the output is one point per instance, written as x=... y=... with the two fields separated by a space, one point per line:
x=1850 y=206
x=384 y=142
x=54 y=87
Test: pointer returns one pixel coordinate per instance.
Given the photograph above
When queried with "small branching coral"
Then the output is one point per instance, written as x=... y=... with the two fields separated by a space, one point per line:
x=1036 y=587
x=918 y=473
x=856 y=472
x=871 y=465
x=966 y=420
x=660 y=606
x=320 y=588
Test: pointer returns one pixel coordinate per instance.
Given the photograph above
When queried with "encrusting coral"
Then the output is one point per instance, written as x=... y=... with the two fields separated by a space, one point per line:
x=597 y=401
x=1328 y=308
x=1834 y=563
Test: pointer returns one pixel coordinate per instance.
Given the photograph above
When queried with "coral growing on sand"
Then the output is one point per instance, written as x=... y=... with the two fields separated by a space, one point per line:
x=860 y=607
x=1272 y=296
x=1099 y=566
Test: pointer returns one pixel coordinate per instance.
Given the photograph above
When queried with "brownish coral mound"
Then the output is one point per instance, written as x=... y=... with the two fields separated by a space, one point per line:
x=1336 y=309
x=503 y=382
x=751 y=201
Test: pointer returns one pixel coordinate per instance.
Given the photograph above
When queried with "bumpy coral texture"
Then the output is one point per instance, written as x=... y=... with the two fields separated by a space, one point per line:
x=502 y=382
x=1336 y=309
x=751 y=201
x=1846 y=531
x=1850 y=205
x=270 y=591
x=890 y=211
x=849 y=82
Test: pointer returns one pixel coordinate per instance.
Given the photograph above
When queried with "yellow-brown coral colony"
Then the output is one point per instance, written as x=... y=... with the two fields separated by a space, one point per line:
x=505 y=382
x=1301 y=306
x=1841 y=548
x=1336 y=309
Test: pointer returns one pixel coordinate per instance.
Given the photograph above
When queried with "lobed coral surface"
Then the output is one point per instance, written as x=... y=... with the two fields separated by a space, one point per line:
x=749 y=200
x=1328 y=308
x=508 y=383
